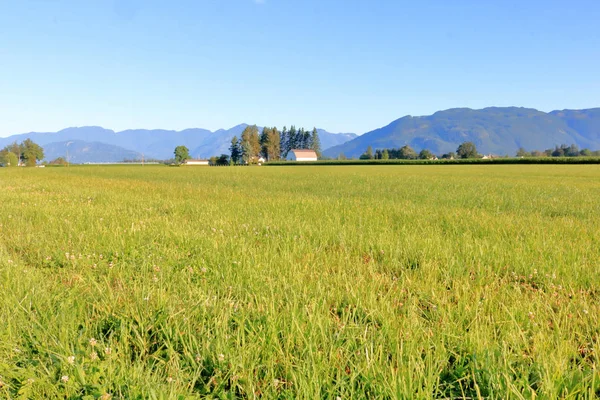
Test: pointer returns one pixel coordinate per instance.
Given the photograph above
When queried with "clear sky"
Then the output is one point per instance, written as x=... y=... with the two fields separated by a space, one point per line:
x=341 y=65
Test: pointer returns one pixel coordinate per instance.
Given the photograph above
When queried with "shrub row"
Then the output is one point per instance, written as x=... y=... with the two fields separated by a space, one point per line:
x=530 y=160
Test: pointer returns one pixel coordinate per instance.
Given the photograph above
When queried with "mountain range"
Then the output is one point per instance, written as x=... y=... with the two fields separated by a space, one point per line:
x=97 y=144
x=498 y=130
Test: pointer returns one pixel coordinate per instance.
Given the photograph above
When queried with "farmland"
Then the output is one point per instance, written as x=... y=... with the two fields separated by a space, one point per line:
x=315 y=282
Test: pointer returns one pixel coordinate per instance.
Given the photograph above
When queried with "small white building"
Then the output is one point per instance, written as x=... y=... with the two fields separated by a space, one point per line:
x=196 y=162
x=302 y=155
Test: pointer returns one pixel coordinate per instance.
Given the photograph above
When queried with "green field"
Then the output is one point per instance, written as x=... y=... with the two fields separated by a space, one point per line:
x=315 y=282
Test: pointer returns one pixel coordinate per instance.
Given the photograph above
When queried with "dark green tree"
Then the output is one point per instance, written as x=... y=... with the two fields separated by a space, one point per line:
x=315 y=142
x=407 y=153
x=523 y=153
x=235 y=150
x=559 y=151
x=307 y=139
x=250 y=144
x=31 y=152
x=274 y=147
x=8 y=159
x=572 y=151
x=292 y=142
x=426 y=155
x=467 y=150
x=270 y=142
x=283 y=143
x=181 y=154
x=222 y=160
x=264 y=142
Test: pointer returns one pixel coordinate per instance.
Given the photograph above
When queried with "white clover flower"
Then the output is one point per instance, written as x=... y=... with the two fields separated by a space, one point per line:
x=93 y=342
x=71 y=360
x=65 y=378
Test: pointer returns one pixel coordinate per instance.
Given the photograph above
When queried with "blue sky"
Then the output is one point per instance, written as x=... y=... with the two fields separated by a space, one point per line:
x=342 y=65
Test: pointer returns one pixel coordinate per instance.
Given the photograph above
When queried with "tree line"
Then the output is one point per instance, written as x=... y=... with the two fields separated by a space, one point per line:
x=559 y=151
x=25 y=153
x=464 y=150
x=271 y=144
x=469 y=150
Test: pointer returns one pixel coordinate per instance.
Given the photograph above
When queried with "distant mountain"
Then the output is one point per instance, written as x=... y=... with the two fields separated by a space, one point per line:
x=334 y=139
x=80 y=152
x=157 y=143
x=218 y=142
x=586 y=122
x=499 y=130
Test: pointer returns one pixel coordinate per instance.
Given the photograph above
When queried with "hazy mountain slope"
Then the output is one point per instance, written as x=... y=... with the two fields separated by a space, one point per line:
x=83 y=152
x=586 y=122
x=334 y=139
x=500 y=130
x=158 y=143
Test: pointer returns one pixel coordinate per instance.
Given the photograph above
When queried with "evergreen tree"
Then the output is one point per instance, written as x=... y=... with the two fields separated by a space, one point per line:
x=255 y=141
x=274 y=146
x=283 y=143
x=292 y=139
x=300 y=139
x=316 y=142
x=246 y=151
x=264 y=142
x=306 y=139
x=235 y=149
x=250 y=144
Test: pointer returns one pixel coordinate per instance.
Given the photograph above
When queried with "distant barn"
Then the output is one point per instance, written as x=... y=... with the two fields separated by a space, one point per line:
x=302 y=155
x=196 y=162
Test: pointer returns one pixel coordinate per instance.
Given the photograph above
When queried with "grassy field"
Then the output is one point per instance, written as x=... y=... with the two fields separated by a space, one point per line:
x=314 y=282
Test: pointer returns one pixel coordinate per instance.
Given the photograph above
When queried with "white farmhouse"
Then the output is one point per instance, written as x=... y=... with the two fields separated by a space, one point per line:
x=302 y=155
x=196 y=162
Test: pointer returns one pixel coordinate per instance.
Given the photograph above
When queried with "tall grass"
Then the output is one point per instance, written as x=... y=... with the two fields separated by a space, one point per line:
x=350 y=282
